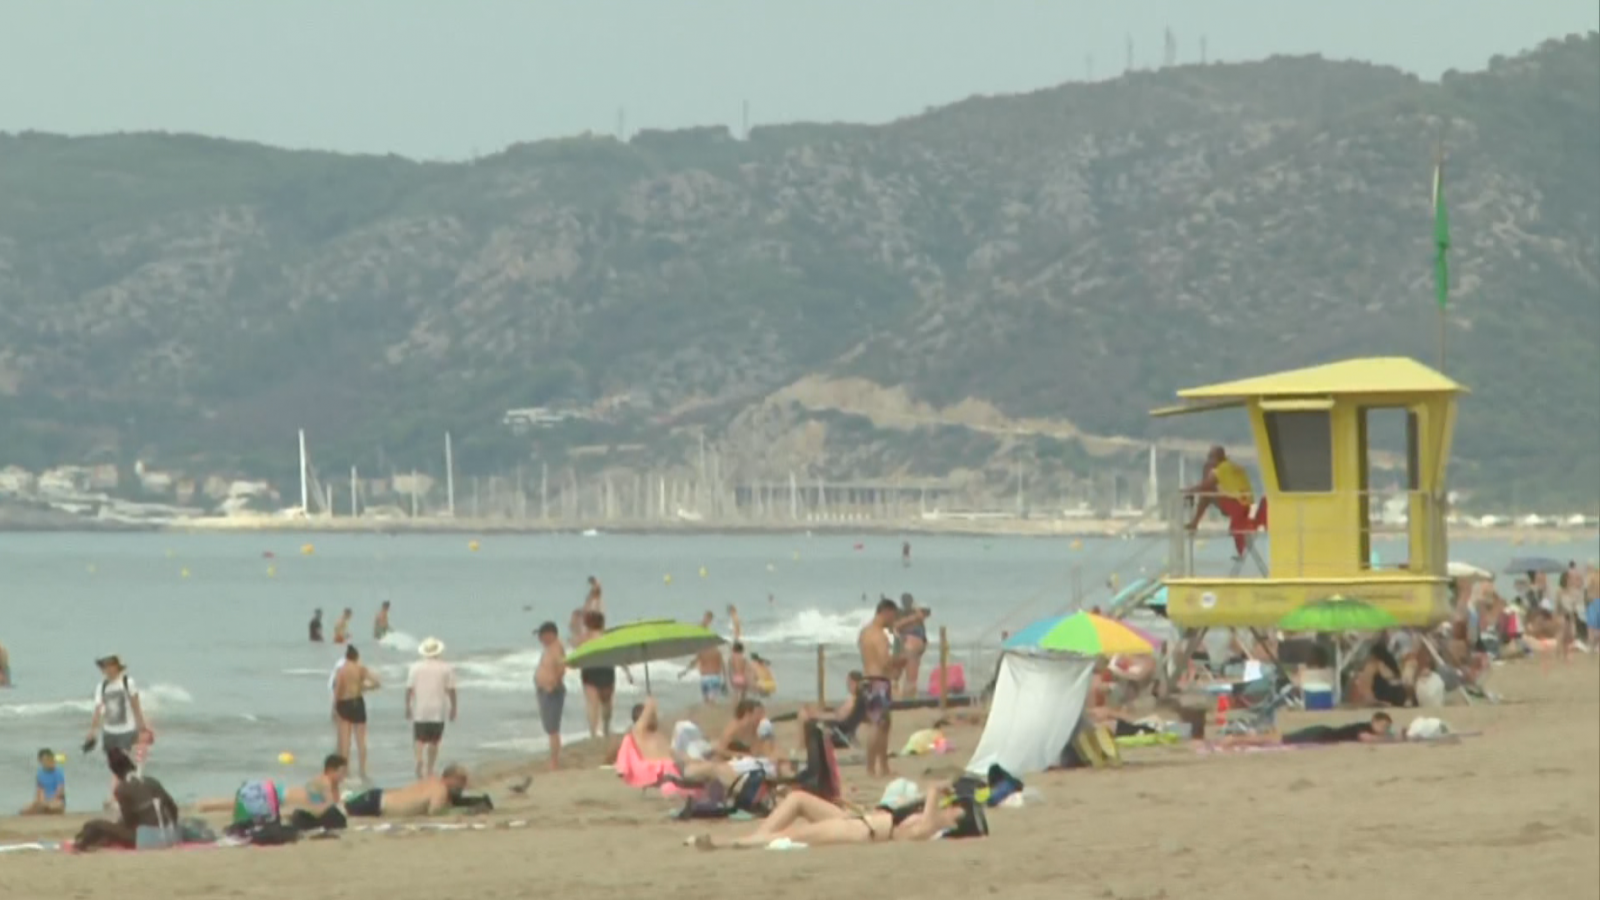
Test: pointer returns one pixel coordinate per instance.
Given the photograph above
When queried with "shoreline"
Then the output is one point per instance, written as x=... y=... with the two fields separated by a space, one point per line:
x=1089 y=529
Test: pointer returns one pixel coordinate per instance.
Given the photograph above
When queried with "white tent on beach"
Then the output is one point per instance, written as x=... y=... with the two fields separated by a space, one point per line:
x=1038 y=700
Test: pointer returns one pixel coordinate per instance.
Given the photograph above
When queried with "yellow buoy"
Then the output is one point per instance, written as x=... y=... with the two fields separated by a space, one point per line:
x=183 y=573
x=286 y=758
x=272 y=571
x=666 y=579
x=472 y=546
x=61 y=757
x=1077 y=544
x=307 y=549
x=703 y=571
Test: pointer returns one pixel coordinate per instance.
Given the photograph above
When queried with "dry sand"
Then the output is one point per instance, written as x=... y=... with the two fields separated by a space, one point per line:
x=1513 y=812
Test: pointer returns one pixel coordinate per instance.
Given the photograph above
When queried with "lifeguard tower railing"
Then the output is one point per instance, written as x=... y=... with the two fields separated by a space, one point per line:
x=1386 y=542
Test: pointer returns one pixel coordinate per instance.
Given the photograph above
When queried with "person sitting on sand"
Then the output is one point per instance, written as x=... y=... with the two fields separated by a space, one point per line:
x=142 y=803
x=843 y=720
x=430 y=796
x=1378 y=730
x=805 y=819
x=749 y=732
x=49 y=788
x=686 y=757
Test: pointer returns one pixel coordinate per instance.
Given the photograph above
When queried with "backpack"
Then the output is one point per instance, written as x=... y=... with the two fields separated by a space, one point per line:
x=752 y=793
x=255 y=803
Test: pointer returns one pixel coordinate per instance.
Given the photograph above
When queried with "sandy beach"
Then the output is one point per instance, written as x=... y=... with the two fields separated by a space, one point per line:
x=1513 y=811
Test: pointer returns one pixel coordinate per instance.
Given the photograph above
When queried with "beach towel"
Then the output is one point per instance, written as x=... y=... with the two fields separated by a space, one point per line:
x=636 y=771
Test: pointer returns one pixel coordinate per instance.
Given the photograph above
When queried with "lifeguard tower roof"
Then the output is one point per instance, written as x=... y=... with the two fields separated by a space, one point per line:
x=1372 y=376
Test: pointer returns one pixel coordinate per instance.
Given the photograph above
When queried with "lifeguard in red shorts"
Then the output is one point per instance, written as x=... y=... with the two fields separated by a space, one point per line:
x=1226 y=486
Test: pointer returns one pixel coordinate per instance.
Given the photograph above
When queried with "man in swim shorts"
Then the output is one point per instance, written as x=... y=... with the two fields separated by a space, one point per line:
x=350 y=684
x=878 y=670
x=550 y=687
x=430 y=699
x=430 y=796
x=713 y=685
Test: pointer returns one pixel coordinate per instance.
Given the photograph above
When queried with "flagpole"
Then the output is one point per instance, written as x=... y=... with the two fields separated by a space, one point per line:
x=1441 y=238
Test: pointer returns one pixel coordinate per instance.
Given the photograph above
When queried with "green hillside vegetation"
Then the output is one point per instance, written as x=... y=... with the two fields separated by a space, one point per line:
x=1076 y=253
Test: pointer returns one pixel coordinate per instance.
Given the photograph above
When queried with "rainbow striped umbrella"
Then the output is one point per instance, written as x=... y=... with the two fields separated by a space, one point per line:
x=1083 y=633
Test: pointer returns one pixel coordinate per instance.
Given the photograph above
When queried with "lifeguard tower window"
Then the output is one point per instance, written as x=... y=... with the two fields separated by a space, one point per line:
x=1301 y=442
x=1387 y=432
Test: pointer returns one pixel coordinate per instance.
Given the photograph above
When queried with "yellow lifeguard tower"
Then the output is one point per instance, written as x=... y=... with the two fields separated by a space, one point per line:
x=1311 y=431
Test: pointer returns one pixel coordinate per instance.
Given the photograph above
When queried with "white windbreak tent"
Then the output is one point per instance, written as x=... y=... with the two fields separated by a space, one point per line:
x=1038 y=699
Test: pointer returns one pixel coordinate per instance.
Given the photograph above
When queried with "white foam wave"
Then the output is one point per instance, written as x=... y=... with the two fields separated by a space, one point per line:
x=153 y=697
x=318 y=673
x=538 y=745
x=810 y=626
x=513 y=673
x=399 y=640
x=46 y=708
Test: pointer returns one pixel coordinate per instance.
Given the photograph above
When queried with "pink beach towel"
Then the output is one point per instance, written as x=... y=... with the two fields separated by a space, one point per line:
x=636 y=771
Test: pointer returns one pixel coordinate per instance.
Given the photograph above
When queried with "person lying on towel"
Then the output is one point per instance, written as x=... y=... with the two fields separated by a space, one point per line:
x=811 y=821
x=1378 y=730
x=430 y=796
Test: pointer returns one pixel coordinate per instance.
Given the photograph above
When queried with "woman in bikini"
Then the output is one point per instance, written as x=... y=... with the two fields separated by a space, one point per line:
x=806 y=819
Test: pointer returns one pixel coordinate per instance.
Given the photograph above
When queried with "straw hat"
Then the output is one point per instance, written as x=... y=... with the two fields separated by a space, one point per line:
x=430 y=648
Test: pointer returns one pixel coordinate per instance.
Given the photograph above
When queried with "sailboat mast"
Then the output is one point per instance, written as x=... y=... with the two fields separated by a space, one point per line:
x=449 y=476
x=305 y=498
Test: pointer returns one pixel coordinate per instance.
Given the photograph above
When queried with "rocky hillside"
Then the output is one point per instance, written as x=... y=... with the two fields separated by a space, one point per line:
x=1069 y=256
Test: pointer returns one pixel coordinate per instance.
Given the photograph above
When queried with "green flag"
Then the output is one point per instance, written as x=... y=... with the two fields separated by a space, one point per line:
x=1441 y=238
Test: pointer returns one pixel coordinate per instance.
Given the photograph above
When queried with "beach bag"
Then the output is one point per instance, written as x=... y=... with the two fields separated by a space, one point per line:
x=255 y=803
x=751 y=793
x=974 y=822
x=271 y=834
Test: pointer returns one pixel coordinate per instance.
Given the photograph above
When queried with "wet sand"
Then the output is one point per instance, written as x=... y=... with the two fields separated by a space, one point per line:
x=1512 y=812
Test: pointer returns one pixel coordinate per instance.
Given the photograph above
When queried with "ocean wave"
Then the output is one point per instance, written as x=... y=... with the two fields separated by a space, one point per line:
x=810 y=626
x=153 y=697
x=399 y=640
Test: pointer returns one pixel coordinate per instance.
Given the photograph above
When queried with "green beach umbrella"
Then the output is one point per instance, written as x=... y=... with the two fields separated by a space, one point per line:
x=638 y=643
x=1335 y=614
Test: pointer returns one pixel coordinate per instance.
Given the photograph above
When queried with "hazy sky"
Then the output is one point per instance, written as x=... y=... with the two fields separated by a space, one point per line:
x=450 y=78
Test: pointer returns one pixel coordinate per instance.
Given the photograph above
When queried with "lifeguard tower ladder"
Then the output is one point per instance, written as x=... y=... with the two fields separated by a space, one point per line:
x=1311 y=429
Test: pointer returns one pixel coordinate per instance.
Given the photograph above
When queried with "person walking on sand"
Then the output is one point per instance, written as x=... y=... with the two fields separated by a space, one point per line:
x=118 y=721
x=380 y=622
x=551 y=688
x=878 y=669
x=430 y=697
x=350 y=684
x=341 y=628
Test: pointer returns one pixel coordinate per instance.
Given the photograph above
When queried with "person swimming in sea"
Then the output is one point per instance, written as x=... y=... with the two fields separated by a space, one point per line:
x=380 y=622
x=341 y=628
x=315 y=627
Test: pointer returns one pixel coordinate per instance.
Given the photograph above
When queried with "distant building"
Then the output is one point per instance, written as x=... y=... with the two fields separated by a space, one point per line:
x=64 y=480
x=185 y=491
x=533 y=418
x=17 y=480
x=155 y=481
x=104 y=477
x=412 y=483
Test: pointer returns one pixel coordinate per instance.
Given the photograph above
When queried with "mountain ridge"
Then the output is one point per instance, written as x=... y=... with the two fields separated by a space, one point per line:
x=1073 y=254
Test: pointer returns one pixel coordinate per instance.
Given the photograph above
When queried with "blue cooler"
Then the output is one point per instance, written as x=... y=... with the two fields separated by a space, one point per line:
x=1319 y=698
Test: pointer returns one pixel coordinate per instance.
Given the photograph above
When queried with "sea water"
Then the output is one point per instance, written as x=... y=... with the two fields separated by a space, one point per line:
x=213 y=629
